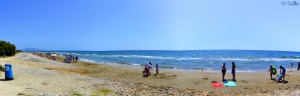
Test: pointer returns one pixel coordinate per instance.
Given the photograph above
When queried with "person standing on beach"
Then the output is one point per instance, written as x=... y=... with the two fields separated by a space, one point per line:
x=157 y=68
x=76 y=58
x=298 y=66
x=223 y=71
x=4 y=55
x=233 y=71
x=150 y=68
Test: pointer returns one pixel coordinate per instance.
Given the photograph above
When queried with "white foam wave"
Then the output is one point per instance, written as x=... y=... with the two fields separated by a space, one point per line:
x=87 y=60
x=136 y=64
x=193 y=58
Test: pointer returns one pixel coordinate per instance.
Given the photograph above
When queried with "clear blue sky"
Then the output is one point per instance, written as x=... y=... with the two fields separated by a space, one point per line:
x=150 y=24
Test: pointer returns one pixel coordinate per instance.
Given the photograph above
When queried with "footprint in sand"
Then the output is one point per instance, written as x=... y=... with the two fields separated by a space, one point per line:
x=244 y=81
x=205 y=78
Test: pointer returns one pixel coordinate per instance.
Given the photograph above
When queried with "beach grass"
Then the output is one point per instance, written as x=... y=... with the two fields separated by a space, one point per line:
x=103 y=92
x=2 y=68
x=76 y=94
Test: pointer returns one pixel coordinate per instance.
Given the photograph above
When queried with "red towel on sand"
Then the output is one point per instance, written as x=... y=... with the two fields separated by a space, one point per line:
x=217 y=85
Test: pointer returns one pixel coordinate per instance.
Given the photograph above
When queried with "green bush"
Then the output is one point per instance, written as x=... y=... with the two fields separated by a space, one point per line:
x=7 y=48
x=2 y=68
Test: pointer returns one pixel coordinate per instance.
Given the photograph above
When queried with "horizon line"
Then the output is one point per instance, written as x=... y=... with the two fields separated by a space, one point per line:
x=41 y=50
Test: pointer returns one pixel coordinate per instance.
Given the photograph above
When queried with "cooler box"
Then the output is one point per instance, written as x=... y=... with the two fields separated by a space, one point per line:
x=8 y=72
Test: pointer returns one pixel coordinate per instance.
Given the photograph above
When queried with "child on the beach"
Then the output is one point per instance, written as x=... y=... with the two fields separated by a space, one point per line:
x=157 y=68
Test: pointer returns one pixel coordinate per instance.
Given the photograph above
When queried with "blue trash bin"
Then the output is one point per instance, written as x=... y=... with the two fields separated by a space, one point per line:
x=8 y=72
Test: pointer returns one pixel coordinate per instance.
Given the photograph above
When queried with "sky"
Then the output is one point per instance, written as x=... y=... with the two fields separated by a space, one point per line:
x=96 y=25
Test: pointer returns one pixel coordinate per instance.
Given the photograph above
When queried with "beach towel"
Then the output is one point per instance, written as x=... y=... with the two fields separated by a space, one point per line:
x=230 y=84
x=217 y=85
x=278 y=77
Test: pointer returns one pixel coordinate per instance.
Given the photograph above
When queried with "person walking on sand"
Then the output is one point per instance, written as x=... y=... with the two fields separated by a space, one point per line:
x=223 y=71
x=233 y=71
x=157 y=68
x=282 y=71
x=272 y=71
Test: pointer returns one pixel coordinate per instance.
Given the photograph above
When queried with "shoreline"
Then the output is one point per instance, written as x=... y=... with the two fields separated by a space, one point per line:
x=172 y=68
x=138 y=61
x=129 y=81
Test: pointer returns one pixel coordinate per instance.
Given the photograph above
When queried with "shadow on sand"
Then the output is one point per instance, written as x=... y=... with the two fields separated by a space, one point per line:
x=4 y=80
x=281 y=81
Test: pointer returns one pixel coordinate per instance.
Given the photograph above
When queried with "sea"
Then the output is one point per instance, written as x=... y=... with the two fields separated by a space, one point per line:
x=193 y=60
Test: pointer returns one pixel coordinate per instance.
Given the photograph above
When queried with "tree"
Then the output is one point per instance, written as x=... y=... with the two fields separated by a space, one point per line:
x=7 y=48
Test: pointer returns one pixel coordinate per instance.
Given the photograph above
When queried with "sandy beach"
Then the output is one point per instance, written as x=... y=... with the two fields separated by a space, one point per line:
x=35 y=75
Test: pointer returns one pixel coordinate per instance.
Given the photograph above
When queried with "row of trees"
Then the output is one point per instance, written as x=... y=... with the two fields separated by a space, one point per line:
x=7 y=48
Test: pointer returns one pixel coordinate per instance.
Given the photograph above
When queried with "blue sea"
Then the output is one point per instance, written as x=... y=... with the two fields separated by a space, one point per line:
x=203 y=60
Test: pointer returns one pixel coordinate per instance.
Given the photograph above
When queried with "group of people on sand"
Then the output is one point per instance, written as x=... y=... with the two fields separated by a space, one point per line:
x=70 y=58
x=282 y=72
x=232 y=71
x=147 y=69
x=273 y=71
x=51 y=56
x=38 y=54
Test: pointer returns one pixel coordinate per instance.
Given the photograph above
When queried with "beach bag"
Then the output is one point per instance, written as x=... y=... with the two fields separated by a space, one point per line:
x=278 y=77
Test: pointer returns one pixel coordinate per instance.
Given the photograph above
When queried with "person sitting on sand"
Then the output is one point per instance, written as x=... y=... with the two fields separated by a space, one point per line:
x=157 y=68
x=233 y=71
x=282 y=71
x=223 y=71
x=272 y=71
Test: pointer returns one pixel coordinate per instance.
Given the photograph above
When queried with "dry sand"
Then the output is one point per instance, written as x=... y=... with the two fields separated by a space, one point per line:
x=35 y=75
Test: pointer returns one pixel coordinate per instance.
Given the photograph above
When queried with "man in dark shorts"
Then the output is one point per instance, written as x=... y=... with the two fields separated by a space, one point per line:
x=76 y=58
x=298 y=66
x=233 y=71
x=223 y=71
